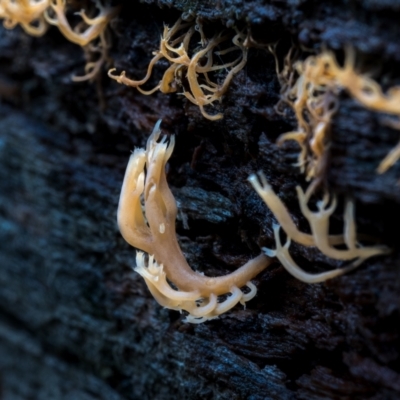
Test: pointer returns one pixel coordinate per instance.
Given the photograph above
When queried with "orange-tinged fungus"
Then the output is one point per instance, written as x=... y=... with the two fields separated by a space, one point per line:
x=314 y=98
x=27 y=13
x=319 y=237
x=90 y=33
x=152 y=230
x=175 y=48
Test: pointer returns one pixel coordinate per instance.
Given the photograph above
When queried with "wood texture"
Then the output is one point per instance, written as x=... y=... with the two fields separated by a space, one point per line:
x=77 y=323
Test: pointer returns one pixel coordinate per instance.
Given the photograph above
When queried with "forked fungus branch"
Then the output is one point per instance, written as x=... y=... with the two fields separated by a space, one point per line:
x=27 y=13
x=313 y=96
x=152 y=230
x=175 y=47
x=319 y=237
x=90 y=33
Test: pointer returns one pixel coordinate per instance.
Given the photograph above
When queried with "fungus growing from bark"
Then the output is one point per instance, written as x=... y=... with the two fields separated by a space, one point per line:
x=319 y=237
x=27 y=13
x=175 y=48
x=314 y=98
x=90 y=33
x=152 y=230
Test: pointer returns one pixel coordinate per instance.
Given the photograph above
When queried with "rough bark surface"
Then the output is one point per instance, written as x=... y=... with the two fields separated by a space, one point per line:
x=77 y=323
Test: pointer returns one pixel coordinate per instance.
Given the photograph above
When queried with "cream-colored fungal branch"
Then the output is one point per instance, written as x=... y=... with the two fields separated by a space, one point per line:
x=191 y=69
x=363 y=88
x=311 y=88
x=27 y=13
x=90 y=33
x=35 y=15
x=90 y=28
x=314 y=105
x=319 y=237
x=152 y=230
x=283 y=255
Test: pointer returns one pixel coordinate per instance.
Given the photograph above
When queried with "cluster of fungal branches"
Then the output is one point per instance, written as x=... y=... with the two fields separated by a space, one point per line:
x=311 y=88
x=202 y=73
x=146 y=218
x=152 y=230
x=191 y=67
x=320 y=236
x=314 y=104
x=27 y=13
x=90 y=32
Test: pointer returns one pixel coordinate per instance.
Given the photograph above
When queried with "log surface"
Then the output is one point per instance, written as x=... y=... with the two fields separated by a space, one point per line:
x=77 y=323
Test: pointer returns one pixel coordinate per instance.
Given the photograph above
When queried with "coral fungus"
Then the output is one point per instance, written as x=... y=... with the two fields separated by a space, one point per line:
x=27 y=13
x=90 y=33
x=314 y=99
x=35 y=15
x=152 y=230
x=175 y=49
x=319 y=237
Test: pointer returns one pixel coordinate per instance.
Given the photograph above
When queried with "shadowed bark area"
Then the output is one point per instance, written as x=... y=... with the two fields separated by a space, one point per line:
x=77 y=323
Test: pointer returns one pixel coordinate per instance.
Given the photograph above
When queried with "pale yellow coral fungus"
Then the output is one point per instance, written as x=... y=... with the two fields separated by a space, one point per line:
x=314 y=99
x=27 y=13
x=35 y=15
x=90 y=33
x=175 y=48
x=152 y=230
x=314 y=105
x=319 y=237
x=146 y=217
x=89 y=30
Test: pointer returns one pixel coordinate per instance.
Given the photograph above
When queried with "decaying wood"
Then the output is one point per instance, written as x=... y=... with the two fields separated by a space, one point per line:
x=77 y=323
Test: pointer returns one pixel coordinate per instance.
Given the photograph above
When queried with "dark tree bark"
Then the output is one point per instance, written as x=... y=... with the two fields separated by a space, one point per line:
x=77 y=323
